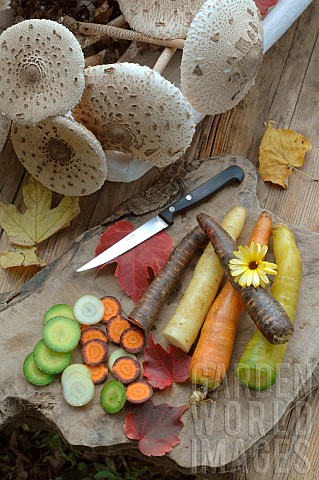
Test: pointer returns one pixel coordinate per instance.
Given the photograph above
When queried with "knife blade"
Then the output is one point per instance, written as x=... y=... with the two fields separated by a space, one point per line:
x=232 y=174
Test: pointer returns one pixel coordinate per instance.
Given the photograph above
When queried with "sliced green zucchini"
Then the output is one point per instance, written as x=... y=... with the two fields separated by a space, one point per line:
x=113 y=396
x=61 y=334
x=59 y=310
x=49 y=361
x=33 y=374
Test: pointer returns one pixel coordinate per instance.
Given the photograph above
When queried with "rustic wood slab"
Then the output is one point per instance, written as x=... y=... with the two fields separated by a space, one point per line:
x=225 y=430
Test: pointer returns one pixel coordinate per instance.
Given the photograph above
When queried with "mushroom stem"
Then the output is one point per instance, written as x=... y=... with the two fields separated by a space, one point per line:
x=121 y=34
x=89 y=40
x=164 y=59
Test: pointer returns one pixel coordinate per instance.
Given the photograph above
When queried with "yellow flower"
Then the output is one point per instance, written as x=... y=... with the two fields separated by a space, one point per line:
x=249 y=268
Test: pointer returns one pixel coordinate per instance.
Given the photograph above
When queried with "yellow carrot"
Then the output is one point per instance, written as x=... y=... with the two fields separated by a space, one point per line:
x=261 y=360
x=183 y=327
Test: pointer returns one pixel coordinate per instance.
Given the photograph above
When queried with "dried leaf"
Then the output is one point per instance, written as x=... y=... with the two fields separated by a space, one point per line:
x=39 y=221
x=135 y=267
x=155 y=426
x=280 y=151
x=21 y=257
x=162 y=368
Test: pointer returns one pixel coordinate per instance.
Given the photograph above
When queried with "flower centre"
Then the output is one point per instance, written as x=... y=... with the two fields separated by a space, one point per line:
x=253 y=265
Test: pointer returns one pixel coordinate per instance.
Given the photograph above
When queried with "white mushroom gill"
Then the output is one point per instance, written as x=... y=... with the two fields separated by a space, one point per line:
x=61 y=154
x=41 y=70
x=134 y=110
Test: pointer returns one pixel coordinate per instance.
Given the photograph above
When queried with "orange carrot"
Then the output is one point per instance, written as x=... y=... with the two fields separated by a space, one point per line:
x=99 y=373
x=133 y=340
x=84 y=327
x=92 y=333
x=267 y=313
x=126 y=369
x=115 y=327
x=112 y=307
x=94 y=352
x=212 y=354
x=138 y=392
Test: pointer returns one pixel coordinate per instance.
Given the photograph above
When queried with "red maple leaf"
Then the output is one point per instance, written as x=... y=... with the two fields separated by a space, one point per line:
x=155 y=426
x=162 y=368
x=264 y=5
x=136 y=267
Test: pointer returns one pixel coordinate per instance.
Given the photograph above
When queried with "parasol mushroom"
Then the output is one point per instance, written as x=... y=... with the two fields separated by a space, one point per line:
x=134 y=110
x=222 y=54
x=41 y=70
x=62 y=154
x=164 y=19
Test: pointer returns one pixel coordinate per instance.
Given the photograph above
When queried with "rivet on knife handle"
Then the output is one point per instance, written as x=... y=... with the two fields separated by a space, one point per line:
x=232 y=174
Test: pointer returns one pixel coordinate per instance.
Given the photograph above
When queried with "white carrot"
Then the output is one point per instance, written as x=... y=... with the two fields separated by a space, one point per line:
x=183 y=327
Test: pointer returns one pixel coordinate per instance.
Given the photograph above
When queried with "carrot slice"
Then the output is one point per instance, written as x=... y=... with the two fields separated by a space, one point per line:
x=94 y=352
x=99 y=373
x=133 y=339
x=115 y=327
x=138 y=392
x=84 y=326
x=126 y=369
x=112 y=308
x=92 y=333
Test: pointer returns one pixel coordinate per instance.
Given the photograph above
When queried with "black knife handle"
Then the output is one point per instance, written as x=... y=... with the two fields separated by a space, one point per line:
x=232 y=174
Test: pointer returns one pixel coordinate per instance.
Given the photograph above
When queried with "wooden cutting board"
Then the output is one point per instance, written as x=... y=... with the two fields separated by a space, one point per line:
x=225 y=430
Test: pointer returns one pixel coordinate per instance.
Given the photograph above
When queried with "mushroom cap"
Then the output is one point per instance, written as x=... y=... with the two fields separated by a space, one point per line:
x=41 y=70
x=222 y=54
x=62 y=154
x=166 y=19
x=134 y=110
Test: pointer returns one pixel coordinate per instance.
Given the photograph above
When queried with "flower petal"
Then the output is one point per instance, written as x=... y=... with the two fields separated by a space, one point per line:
x=255 y=280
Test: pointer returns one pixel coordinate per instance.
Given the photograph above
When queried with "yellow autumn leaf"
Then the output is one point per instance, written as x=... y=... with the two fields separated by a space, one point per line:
x=280 y=150
x=21 y=257
x=39 y=221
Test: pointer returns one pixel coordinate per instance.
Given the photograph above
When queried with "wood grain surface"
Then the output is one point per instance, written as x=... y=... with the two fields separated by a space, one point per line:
x=287 y=92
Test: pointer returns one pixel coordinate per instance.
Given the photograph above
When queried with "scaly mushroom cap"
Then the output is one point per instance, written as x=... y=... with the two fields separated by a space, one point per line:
x=166 y=19
x=62 y=154
x=41 y=70
x=222 y=54
x=134 y=110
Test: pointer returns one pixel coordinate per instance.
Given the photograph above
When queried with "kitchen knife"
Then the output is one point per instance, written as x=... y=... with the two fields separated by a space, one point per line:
x=232 y=174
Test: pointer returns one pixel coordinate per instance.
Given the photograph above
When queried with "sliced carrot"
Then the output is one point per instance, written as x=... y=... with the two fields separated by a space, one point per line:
x=115 y=327
x=92 y=333
x=94 y=352
x=84 y=327
x=99 y=373
x=213 y=351
x=138 y=392
x=126 y=369
x=133 y=339
x=112 y=308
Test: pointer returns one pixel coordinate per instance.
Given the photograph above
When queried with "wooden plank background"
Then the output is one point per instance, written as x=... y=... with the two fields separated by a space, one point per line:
x=287 y=92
